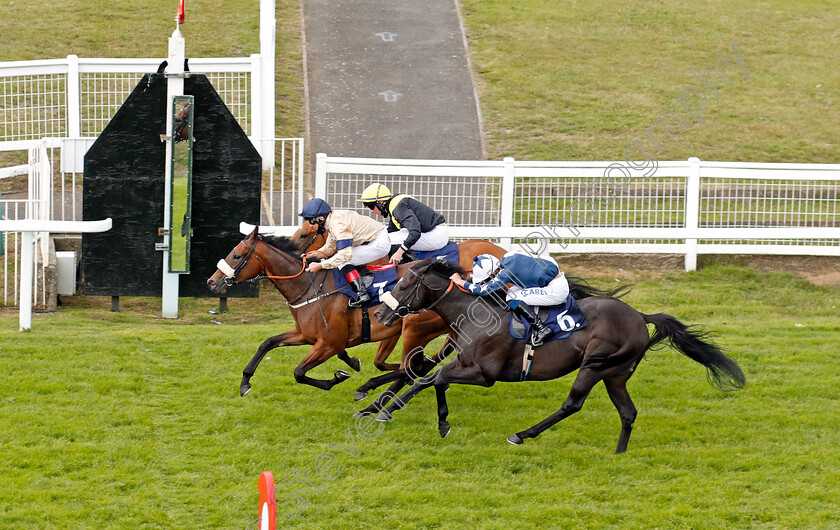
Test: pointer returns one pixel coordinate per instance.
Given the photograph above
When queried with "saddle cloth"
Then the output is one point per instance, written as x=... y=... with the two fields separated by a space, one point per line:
x=562 y=320
x=449 y=252
x=378 y=279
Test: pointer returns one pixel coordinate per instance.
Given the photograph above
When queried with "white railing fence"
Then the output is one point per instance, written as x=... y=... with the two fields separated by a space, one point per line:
x=75 y=97
x=685 y=207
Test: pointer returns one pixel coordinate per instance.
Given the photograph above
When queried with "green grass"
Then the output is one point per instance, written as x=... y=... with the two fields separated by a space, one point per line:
x=582 y=80
x=127 y=420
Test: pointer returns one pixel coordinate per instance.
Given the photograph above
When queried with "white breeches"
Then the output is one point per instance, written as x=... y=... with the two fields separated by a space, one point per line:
x=555 y=293
x=434 y=240
x=364 y=254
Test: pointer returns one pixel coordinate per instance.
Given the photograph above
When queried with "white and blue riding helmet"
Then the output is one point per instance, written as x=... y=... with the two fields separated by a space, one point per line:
x=484 y=265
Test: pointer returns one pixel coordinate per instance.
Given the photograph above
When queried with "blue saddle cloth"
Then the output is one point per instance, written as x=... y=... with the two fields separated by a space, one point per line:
x=449 y=252
x=381 y=278
x=562 y=320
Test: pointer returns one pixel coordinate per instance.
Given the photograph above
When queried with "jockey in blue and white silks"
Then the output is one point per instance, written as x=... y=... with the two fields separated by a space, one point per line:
x=535 y=281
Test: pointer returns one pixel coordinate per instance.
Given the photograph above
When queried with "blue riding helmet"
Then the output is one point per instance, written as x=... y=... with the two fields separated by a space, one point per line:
x=315 y=208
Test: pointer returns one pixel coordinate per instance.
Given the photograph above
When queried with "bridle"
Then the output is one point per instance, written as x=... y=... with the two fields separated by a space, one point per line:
x=314 y=237
x=231 y=272
x=403 y=309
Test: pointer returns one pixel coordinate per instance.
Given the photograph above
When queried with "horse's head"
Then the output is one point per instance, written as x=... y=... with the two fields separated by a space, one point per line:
x=238 y=265
x=307 y=238
x=420 y=289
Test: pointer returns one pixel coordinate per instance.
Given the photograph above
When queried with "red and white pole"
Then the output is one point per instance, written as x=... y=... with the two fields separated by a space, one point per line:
x=268 y=504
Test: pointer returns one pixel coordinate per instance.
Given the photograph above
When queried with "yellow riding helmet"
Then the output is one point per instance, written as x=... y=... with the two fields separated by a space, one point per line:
x=376 y=192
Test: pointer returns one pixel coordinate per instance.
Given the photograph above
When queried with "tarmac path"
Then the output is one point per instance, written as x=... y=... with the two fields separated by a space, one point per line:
x=390 y=79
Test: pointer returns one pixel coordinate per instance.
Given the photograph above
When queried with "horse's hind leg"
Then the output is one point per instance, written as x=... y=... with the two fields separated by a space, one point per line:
x=617 y=390
x=319 y=353
x=383 y=351
x=352 y=362
x=289 y=338
x=375 y=382
x=586 y=379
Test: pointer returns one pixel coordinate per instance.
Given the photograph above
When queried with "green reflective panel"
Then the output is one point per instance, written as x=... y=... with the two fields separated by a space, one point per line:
x=180 y=226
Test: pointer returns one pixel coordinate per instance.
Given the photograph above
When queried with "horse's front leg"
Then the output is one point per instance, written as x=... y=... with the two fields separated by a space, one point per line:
x=289 y=338
x=320 y=352
x=443 y=410
x=454 y=372
x=418 y=365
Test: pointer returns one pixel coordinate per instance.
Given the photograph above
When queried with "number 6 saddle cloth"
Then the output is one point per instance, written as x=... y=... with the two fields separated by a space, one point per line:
x=563 y=320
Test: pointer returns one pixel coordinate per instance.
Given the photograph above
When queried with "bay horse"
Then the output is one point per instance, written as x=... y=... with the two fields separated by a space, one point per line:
x=609 y=349
x=321 y=319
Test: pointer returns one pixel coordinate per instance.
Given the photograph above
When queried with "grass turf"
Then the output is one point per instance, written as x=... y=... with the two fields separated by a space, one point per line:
x=127 y=420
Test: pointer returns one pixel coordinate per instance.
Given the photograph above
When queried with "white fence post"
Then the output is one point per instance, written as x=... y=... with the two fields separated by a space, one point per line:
x=256 y=106
x=300 y=175
x=692 y=211
x=74 y=113
x=321 y=176
x=508 y=189
x=266 y=82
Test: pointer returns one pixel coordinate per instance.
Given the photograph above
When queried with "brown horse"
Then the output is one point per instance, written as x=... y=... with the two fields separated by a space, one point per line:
x=608 y=349
x=321 y=319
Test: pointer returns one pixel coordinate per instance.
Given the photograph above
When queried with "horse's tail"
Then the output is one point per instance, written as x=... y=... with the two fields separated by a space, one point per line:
x=722 y=372
x=580 y=289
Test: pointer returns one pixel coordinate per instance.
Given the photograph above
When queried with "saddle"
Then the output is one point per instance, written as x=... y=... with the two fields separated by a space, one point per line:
x=450 y=252
x=563 y=320
x=377 y=279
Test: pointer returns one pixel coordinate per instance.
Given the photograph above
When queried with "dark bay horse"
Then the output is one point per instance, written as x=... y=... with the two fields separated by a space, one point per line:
x=321 y=319
x=608 y=349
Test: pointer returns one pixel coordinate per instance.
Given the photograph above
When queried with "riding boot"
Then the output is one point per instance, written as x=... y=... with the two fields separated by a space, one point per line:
x=355 y=282
x=539 y=331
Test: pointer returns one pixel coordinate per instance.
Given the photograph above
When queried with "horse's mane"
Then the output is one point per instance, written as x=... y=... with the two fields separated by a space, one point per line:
x=441 y=266
x=283 y=244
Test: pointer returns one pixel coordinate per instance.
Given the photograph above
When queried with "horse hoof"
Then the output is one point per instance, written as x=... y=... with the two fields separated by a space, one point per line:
x=244 y=389
x=355 y=363
x=384 y=416
x=514 y=439
x=358 y=396
x=341 y=375
x=444 y=430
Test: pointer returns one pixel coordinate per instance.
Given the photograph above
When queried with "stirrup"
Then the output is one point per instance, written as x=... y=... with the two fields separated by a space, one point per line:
x=538 y=335
x=361 y=301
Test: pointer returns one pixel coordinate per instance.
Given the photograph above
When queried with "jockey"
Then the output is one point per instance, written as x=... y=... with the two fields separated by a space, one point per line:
x=411 y=224
x=536 y=281
x=354 y=240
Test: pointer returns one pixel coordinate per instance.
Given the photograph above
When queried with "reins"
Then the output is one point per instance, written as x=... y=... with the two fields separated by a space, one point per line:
x=230 y=279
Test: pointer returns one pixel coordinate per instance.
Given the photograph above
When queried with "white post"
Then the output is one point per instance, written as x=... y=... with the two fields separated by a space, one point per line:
x=27 y=263
x=300 y=165
x=692 y=211
x=74 y=113
x=268 y=25
x=320 y=176
x=256 y=104
x=174 y=87
x=508 y=192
